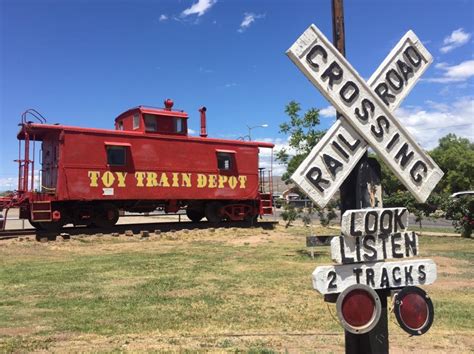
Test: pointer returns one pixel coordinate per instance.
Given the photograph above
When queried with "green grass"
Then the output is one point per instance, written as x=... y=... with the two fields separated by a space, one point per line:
x=452 y=247
x=444 y=229
x=118 y=287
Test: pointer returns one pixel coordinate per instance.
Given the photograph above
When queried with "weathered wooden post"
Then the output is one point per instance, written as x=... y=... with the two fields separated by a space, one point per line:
x=354 y=194
x=362 y=280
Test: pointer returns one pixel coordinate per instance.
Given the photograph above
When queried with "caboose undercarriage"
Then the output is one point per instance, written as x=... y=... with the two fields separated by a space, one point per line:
x=50 y=215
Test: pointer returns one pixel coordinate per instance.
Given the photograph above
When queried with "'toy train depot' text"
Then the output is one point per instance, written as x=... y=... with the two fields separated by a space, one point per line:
x=149 y=179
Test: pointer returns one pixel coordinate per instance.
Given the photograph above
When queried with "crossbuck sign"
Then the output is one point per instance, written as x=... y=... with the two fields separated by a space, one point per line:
x=368 y=120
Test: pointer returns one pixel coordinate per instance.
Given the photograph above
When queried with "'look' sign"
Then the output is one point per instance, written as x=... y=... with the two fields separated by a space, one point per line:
x=368 y=120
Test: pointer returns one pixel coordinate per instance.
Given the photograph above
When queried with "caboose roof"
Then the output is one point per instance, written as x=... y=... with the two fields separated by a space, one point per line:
x=41 y=130
x=153 y=110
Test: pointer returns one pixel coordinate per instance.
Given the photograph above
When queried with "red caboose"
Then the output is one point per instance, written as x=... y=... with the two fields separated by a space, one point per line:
x=149 y=161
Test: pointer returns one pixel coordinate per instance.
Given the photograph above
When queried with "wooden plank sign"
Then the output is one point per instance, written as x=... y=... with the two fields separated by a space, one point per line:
x=342 y=142
x=366 y=108
x=379 y=275
x=374 y=221
x=370 y=248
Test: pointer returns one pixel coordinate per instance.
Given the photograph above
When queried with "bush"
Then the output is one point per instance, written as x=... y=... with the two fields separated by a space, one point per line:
x=326 y=214
x=419 y=210
x=460 y=211
x=289 y=214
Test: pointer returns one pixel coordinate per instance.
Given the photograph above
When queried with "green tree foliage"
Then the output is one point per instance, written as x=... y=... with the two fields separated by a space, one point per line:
x=455 y=156
x=303 y=134
x=403 y=198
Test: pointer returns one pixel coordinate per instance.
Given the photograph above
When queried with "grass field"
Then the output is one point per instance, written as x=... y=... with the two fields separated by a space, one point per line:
x=223 y=289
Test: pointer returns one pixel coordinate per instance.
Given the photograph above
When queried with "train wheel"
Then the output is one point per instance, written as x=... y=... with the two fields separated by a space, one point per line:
x=194 y=215
x=49 y=226
x=252 y=219
x=105 y=215
x=213 y=212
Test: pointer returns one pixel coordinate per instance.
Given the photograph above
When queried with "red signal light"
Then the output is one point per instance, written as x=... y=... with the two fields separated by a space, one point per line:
x=358 y=308
x=414 y=310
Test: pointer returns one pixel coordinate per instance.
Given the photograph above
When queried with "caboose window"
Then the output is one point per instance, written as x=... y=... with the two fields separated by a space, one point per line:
x=136 y=121
x=225 y=161
x=179 y=125
x=116 y=155
x=151 y=123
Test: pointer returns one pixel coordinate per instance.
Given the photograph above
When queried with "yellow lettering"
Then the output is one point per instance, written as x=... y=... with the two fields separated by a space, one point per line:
x=94 y=176
x=212 y=181
x=140 y=176
x=243 y=181
x=108 y=179
x=175 y=179
x=151 y=179
x=222 y=181
x=121 y=178
x=164 y=180
x=232 y=182
x=201 y=180
x=186 y=179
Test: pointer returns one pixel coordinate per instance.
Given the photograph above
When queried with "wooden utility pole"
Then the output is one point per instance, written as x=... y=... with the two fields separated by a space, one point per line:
x=349 y=187
x=358 y=191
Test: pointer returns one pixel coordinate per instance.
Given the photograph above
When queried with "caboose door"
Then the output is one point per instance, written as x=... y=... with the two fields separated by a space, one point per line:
x=49 y=169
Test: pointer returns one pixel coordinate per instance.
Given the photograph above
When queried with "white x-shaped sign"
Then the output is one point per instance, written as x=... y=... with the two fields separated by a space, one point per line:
x=368 y=120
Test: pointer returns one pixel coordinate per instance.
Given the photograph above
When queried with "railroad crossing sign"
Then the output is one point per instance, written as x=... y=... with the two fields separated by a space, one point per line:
x=367 y=116
x=369 y=236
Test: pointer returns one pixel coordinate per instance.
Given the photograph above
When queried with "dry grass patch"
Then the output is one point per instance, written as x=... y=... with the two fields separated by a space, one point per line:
x=226 y=289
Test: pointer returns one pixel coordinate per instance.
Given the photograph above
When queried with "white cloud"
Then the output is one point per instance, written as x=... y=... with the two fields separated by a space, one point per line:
x=454 y=73
x=265 y=155
x=328 y=112
x=8 y=183
x=456 y=39
x=163 y=18
x=249 y=18
x=230 y=84
x=199 y=8
x=429 y=124
x=205 y=70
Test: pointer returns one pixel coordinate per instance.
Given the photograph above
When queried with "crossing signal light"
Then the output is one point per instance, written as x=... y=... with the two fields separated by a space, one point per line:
x=358 y=308
x=414 y=310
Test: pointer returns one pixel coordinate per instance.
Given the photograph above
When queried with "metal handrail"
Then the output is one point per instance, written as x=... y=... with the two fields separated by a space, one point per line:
x=33 y=112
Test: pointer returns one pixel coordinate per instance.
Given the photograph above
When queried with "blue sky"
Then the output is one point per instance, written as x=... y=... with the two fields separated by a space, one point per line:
x=83 y=62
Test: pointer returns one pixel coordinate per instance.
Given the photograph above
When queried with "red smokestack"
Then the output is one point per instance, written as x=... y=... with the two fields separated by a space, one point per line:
x=203 y=121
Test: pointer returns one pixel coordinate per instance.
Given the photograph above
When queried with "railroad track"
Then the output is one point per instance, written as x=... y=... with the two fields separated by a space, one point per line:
x=135 y=228
x=7 y=234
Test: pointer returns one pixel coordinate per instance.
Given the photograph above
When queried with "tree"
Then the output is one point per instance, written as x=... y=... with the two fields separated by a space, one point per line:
x=304 y=135
x=455 y=156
